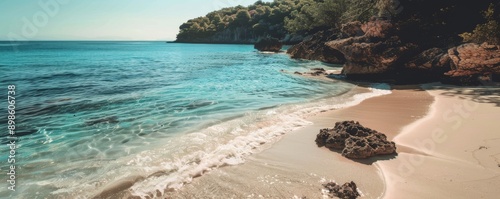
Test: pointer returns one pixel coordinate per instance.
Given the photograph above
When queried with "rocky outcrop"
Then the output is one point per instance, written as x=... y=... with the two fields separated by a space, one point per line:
x=313 y=48
x=366 y=59
x=469 y=61
x=351 y=29
x=377 y=54
x=347 y=191
x=434 y=59
x=378 y=28
x=429 y=65
x=355 y=140
x=268 y=44
x=374 y=51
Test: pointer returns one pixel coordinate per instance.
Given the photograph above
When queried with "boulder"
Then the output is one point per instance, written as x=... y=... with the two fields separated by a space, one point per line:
x=473 y=60
x=434 y=59
x=355 y=141
x=268 y=44
x=313 y=48
x=367 y=59
x=378 y=28
x=351 y=29
x=347 y=191
x=429 y=65
x=375 y=55
x=318 y=69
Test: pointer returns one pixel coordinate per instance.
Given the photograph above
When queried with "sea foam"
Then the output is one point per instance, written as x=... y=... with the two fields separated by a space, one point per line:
x=268 y=127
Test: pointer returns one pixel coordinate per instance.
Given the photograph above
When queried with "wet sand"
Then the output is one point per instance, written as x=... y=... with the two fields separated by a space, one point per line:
x=295 y=167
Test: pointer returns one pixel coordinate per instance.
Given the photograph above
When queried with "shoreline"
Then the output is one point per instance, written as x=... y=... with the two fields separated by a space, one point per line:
x=294 y=167
x=274 y=172
x=239 y=150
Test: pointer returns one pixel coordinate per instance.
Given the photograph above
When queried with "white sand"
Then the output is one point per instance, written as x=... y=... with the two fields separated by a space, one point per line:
x=458 y=148
x=448 y=147
x=295 y=166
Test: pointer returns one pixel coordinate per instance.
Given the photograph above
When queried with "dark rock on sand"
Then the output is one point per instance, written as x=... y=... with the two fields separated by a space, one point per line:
x=319 y=69
x=470 y=61
x=355 y=140
x=314 y=48
x=268 y=44
x=346 y=191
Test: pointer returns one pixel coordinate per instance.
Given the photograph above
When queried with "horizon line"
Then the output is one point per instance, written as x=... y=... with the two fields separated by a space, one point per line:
x=18 y=41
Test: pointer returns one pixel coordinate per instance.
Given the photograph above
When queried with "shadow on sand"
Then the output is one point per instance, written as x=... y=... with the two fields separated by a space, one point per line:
x=371 y=160
x=489 y=95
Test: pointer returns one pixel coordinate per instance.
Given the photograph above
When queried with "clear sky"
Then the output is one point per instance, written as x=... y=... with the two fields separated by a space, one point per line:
x=102 y=19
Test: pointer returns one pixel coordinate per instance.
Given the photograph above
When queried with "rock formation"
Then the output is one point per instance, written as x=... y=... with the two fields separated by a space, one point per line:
x=351 y=29
x=376 y=54
x=355 y=140
x=313 y=48
x=346 y=191
x=374 y=51
x=469 y=61
x=268 y=44
x=434 y=59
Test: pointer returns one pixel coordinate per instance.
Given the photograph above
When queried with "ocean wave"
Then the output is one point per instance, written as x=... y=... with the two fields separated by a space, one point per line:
x=268 y=127
x=177 y=161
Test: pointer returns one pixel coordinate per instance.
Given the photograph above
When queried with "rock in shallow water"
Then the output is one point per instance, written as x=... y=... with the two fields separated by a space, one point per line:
x=355 y=140
x=346 y=191
x=268 y=44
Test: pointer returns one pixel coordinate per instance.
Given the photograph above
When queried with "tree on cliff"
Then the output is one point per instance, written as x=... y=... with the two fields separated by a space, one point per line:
x=439 y=23
x=488 y=32
x=277 y=19
x=244 y=23
x=321 y=15
x=426 y=22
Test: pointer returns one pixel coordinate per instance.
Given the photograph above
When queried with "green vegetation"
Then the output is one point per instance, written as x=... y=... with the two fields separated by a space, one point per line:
x=425 y=22
x=488 y=32
x=276 y=19
x=240 y=24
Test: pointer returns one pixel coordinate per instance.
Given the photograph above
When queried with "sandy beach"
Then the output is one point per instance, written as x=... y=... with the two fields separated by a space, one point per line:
x=457 y=144
x=296 y=167
x=446 y=139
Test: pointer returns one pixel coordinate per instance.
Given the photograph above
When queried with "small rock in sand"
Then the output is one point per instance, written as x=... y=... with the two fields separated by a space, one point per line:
x=346 y=191
x=319 y=69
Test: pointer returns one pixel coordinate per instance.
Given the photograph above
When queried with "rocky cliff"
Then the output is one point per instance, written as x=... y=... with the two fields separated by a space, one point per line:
x=374 y=51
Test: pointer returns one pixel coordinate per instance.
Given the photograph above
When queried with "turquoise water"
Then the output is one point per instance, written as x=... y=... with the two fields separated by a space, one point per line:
x=91 y=114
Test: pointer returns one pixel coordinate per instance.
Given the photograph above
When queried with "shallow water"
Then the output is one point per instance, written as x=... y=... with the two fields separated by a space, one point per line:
x=99 y=117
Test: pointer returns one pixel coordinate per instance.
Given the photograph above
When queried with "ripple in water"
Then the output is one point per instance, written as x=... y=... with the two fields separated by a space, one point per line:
x=100 y=117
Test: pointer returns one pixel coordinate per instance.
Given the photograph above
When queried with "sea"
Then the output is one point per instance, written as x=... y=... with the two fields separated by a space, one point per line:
x=93 y=118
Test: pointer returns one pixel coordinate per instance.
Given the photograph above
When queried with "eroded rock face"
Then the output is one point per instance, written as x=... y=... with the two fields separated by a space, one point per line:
x=373 y=55
x=351 y=29
x=313 y=48
x=373 y=51
x=355 y=140
x=378 y=29
x=429 y=65
x=365 y=57
x=346 y=191
x=268 y=44
x=470 y=59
